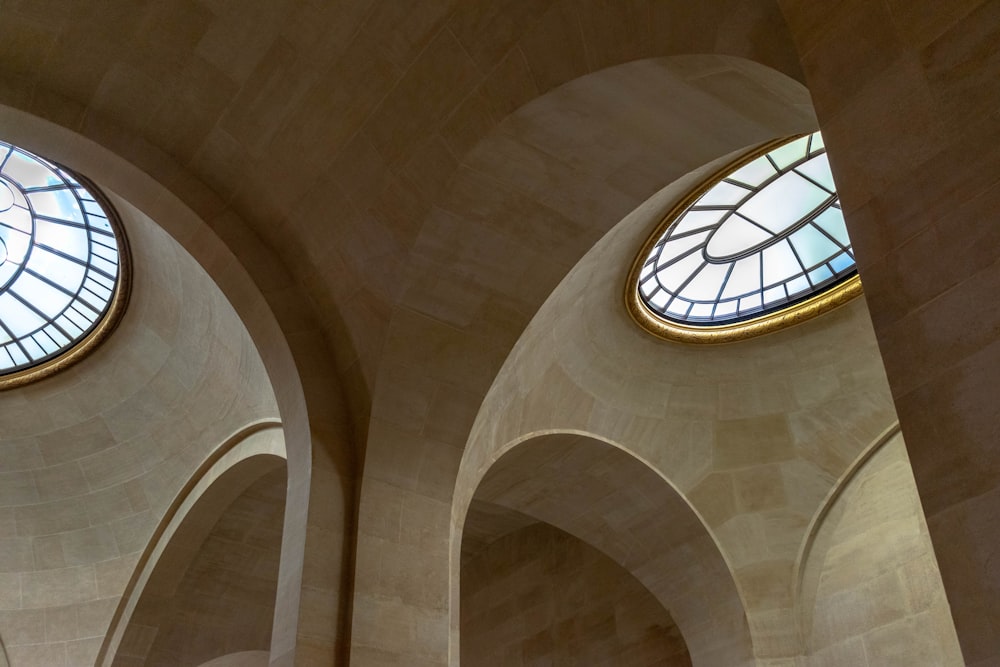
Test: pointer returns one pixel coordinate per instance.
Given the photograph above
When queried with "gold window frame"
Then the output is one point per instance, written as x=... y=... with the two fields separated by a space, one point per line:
x=788 y=316
x=112 y=317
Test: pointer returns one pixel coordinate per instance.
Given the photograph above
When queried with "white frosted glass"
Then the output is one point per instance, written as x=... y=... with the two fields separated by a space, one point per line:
x=754 y=173
x=678 y=307
x=107 y=282
x=56 y=335
x=725 y=308
x=81 y=322
x=797 y=286
x=68 y=326
x=832 y=221
x=820 y=275
x=32 y=348
x=779 y=263
x=750 y=303
x=660 y=299
x=706 y=283
x=674 y=275
x=817 y=142
x=19 y=357
x=99 y=224
x=812 y=246
x=29 y=172
x=648 y=287
x=5 y=360
x=44 y=297
x=47 y=344
x=818 y=169
x=17 y=218
x=783 y=203
x=58 y=204
x=104 y=252
x=103 y=265
x=696 y=220
x=17 y=244
x=103 y=293
x=89 y=311
x=736 y=235
x=723 y=194
x=675 y=248
x=18 y=317
x=647 y=269
x=701 y=310
x=70 y=240
x=788 y=154
x=6 y=196
x=773 y=295
x=61 y=271
x=4 y=337
x=744 y=278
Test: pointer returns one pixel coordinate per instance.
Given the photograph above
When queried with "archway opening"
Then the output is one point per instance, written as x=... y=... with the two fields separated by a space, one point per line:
x=569 y=507
x=212 y=590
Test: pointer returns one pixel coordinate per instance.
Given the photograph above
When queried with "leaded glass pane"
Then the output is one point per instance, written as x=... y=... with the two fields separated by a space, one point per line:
x=764 y=236
x=58 y=260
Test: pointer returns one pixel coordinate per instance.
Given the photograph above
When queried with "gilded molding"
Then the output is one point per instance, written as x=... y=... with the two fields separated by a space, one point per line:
x=108 y=323
x=727 y=333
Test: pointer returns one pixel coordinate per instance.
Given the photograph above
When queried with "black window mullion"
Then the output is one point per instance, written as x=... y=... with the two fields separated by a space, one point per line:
x=16 y=340
x=34 y=309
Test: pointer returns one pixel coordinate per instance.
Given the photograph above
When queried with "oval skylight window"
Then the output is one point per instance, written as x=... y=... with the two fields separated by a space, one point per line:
x=61 y=265
x=763 y=237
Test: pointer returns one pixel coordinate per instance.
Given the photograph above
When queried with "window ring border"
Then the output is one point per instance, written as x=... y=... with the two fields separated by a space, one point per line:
x=112 y=317
x=766 y=323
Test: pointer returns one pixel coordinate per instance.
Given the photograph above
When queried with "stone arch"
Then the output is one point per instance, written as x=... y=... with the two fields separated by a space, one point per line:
x=244 y=458
x=753 y=434
x=808 y=567
x=529 y=201
x=868 y=583
x=261 y=164
x=317 y=440
x=610 y=499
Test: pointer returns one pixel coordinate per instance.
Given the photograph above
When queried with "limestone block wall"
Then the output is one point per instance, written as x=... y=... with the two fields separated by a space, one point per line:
x=753 y=434
x=222 y=600
x=879 y=600
x=539 y=596
x=906 y=94
x=92 y=457
x=612 y=501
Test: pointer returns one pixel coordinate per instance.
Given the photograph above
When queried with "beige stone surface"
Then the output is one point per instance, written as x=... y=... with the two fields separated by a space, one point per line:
x=417 y=217
x=538 y=596
x=871 y=591
x=610 y=500
x=912 y=142
x=221 y=600
x=101 y=450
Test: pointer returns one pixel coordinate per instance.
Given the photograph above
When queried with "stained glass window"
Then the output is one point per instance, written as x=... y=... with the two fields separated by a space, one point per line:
x=768 y=234
x=59 y=260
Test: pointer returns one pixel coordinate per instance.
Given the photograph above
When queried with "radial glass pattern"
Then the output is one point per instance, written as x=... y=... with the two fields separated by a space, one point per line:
x=768 y=234
x=59 y=260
